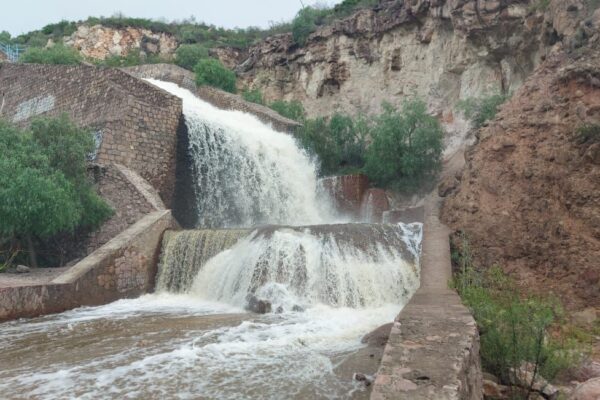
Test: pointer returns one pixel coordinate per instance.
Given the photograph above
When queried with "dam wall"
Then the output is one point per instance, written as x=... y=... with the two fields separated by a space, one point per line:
x=134 y=123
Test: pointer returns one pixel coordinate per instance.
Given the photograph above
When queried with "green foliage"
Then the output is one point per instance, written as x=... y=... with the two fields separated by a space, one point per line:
x=482 y=109
x=406 y=147
x=304 y=24
x=340 y=142
x=513 y=329
x=44 y=189
x=60 y=29
x=5 y=37
x=57 y=54
x=134 y=57
x=589 y=133
x=188 y=55
x=253 y=96
x=539 y=5
x=289 y=109
x=212 y=72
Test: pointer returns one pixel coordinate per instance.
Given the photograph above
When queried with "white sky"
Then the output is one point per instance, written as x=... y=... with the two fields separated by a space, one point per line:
x=20 y=16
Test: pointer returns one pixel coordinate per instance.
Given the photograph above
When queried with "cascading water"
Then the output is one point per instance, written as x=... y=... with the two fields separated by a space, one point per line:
x=354 y=265
x=328 y=285
x=246 y=174
x=185 y=252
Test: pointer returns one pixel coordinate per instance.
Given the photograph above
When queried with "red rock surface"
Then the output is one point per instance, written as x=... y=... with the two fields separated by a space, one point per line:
x=529 y=196
x=347 y=192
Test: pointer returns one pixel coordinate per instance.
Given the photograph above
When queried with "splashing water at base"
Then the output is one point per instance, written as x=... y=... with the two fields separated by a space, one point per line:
x=202 y=345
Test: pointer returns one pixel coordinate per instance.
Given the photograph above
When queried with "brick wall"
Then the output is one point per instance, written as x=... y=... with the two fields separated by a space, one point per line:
x=218 y=98
x=136 y=123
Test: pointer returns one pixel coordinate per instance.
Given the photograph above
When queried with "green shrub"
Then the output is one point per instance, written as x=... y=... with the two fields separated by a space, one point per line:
x=253 y=96
x=60 y=29
x=289 y=109
x=44 y=188
x=513 y=328
x=304 y=24
x=589 y=133
x=5 y=37
x=340 y=142
x=212 y=72
x=406 y=147
x=57 y=54
x=188 y=55
x=133 y=57
x=482 y=109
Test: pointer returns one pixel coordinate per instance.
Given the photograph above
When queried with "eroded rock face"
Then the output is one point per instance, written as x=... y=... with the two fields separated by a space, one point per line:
x=441 y=50
x=100 y=42
x=529 y=197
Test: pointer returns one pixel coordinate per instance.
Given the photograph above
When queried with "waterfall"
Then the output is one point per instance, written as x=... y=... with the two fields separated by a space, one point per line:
x=185 y=252
x=349 y=265
x=245 y=173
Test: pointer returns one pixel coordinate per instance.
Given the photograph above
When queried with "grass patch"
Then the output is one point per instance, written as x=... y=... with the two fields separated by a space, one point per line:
x=588 y=133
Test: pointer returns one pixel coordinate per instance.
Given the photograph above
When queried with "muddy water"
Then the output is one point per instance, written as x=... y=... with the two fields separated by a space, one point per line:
x=175 y=346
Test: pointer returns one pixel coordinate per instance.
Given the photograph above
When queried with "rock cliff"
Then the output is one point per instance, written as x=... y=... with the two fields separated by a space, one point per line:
x=440 y=50
x=529 y=197
x=99 y=42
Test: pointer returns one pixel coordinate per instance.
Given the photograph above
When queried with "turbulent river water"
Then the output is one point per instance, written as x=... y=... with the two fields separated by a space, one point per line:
x=327 y=285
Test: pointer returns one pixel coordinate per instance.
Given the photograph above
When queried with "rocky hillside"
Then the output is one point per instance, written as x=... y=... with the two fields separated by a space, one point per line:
x=529 y=197
x=443 y=51
x=99 y=42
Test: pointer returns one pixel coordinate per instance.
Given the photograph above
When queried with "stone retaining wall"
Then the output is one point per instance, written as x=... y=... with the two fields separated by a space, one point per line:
x=135 y=123
x=125 y=267
x=218 y=98
x=433 y=349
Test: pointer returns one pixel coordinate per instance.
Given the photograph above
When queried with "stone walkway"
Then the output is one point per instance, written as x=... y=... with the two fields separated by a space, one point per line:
x=37 y=276
x=433 y=348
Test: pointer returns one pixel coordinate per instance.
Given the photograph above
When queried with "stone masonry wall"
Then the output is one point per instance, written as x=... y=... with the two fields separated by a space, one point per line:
x=218 y=98
x=135 y=123
x=125 y=267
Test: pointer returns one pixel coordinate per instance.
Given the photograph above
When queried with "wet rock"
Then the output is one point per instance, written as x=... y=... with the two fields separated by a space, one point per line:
x=494 y=391
x=297 y=308
x=279 y=310
x=258 y=306
x=22 y=269
x=365 y=379
x=447 y=185
x=524 y=376
x=589 y=390
x=379 y=336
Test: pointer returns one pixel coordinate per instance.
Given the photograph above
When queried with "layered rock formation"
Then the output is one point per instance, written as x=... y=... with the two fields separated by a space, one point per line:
x=99 y=42
x=529 y=197
x=441 y=50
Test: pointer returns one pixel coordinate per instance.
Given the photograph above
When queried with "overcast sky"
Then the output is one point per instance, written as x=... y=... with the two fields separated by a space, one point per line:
x=20 y=16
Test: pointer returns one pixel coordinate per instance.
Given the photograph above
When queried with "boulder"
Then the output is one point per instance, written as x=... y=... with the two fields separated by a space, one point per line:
x=258 y=306
x=589 y=390
x=494 y=391
x=379 y=336
x=586 y=317
x=365 y=379
x=524 y=377
x=22 y=269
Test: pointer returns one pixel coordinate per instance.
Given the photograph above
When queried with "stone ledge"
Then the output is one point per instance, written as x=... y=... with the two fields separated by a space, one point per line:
x=124 y=267
x=433 y=348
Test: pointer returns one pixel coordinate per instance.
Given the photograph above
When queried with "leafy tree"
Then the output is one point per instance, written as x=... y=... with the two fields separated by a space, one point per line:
x=5 y=37
x=340 y=142
x=406 y=147
x=289 y=109
x=43 y=185
x=212 y=72
x=188 y=55
x=253 y=96
x=57 y=54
